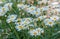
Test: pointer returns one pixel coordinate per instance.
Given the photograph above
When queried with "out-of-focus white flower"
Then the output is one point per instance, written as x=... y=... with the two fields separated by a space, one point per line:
x=39 y=2
x=35 y=32
x=45 y=8
x=23 y=1
x=40 y=18
x=49 y=22
x=58 y=10
x=40 y=30
x=25 y=7
x=54 y=3
x=54 y=18
x=18 y=21
x=21 y=27
x=32 y=8
x=24 y=21
x=1 y=2
x=37 y=12
x=20 y=5
x=8 y=5
x=3 y=11
x=11 y=18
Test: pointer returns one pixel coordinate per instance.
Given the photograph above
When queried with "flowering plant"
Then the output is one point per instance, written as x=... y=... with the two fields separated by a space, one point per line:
x=29 y=19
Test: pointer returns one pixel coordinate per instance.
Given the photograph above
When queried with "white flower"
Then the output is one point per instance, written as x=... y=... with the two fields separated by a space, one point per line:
x=26 y=7
x=8 y=5
x=39 y=2
x=58 y=10
x=11 y=18
x=45 y=8
x=54 y=18
x=23 y=1
x=45 y=16
x=40 y=18
x=32 y=8
x=34 y=33
x=20 y=5
x=40 y=30
x=49 y=22
x=37 y=12
x=18 y=21
x=1 y=2
x=24 y=21
x=3 y=11
x=21 y=27
x=54 y=3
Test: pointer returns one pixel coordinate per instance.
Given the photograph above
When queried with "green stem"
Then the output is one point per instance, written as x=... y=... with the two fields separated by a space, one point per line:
x=13 y=29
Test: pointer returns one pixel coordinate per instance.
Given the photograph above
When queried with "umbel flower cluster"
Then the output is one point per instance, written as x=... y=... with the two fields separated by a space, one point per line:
x=29 y=19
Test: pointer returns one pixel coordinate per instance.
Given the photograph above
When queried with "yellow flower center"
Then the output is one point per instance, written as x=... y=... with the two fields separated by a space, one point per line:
x=36 y=12
x=35 y=33
x=12 y=17
x=3 y=9
x=21 y=27
x=32 y=8
x=38 y=18
x=54 y=18
x=50 y=22
x=31 y=29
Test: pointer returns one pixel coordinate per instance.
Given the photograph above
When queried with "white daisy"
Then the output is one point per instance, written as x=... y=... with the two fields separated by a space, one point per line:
x=33 y=33
x=54 y=18
x=11 y=18
x=40 y=18
x=40 y=30
x=37 y=12
x=3 y=11
x=21 y=5
x=21 y=27
x=32 y=8
x=54 y=3
x=49 y=22
x=8 y=5
x=45 y=8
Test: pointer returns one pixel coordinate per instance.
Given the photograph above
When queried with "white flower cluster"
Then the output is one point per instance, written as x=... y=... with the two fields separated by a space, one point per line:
x=30 y=9
x=49 y=18
x=5 y=8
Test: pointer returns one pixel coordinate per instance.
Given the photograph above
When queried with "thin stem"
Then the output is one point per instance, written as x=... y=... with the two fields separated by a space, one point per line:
x=13 y=29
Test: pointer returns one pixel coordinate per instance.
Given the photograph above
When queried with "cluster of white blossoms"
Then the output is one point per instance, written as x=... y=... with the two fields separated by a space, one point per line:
x=5 y=8
x=22 y=23
x=49 y=18
x=36 y=32
x=30 y=9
